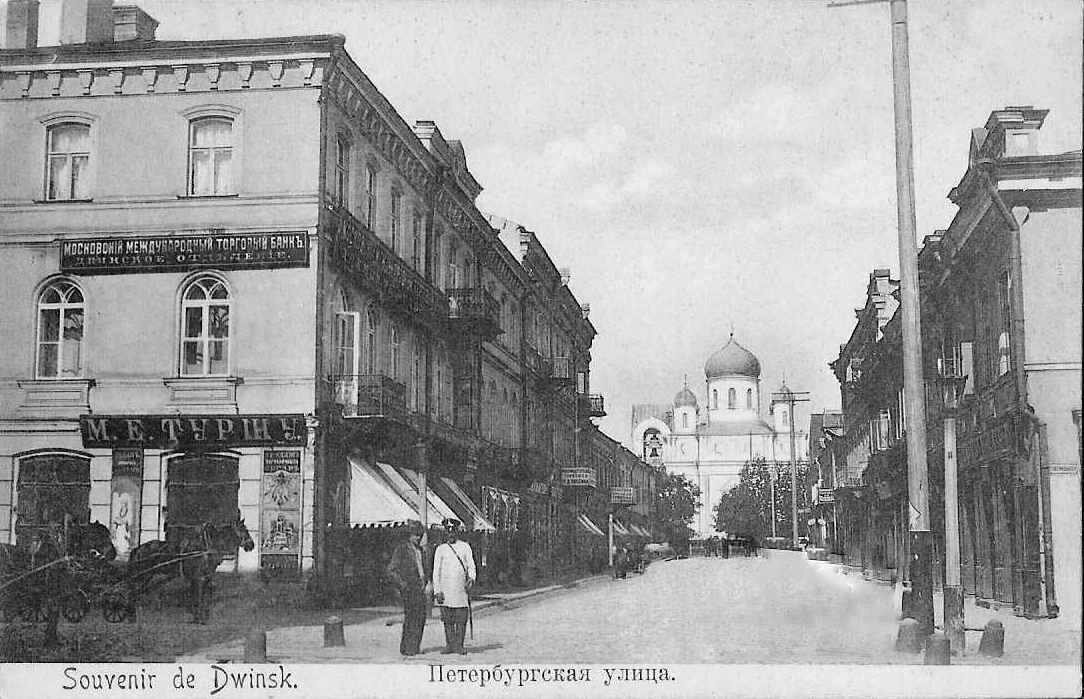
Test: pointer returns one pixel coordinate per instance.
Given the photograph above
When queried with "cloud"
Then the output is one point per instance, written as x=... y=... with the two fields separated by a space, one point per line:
x=568 y=153
x=647 y=177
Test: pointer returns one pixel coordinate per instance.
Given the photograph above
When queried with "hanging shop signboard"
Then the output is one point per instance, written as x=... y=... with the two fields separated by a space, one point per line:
x=171 y=253
x=191 y=431
x=622 y=495
x=579 y=477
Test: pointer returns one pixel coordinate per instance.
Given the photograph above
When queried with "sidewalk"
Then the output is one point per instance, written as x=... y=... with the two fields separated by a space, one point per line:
x=375 y=639
x=1027 y=641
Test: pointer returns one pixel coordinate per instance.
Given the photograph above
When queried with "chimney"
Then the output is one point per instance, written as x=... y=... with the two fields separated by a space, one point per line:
x=566 y=275
x=86 y=21
x=1015 y=130
x=131 y=22
x=20 y=24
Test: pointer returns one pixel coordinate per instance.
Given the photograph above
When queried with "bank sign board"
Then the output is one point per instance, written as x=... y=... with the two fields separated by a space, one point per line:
x=574 y=477
x=171 y=253
x=191 y=431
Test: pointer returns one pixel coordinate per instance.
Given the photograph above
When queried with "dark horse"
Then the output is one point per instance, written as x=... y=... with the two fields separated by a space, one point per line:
x=36 y=579
x=195 y=555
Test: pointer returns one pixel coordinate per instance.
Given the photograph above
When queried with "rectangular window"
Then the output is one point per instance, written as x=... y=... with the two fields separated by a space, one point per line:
x=396 y=223
x=1004 y=297
x=342 y=172
x=67 y=162
x=210 y=156
x=416 y=245
x=370 y=196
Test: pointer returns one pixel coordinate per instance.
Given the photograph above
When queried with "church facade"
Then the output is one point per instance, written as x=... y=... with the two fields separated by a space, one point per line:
x=708 y=441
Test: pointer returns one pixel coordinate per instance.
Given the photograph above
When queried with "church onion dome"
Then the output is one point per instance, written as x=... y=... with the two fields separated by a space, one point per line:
x=784 y=394
x=732 y=359
x=684 y=398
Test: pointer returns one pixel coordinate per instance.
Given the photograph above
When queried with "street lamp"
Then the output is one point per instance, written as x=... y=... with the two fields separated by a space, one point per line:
x=952 y=380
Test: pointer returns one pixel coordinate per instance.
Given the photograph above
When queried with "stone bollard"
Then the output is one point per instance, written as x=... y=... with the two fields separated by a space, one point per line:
x=907 y=640
x=992 y=644
x=333 y=632
x=937 y=650
x=256 y=647
x=906 y=602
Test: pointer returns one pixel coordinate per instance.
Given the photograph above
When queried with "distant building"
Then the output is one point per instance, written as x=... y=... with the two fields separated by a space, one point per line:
x=824 y=427
x=708 y=442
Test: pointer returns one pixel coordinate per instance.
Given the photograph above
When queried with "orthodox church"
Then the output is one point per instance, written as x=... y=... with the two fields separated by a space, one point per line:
x=708 y=442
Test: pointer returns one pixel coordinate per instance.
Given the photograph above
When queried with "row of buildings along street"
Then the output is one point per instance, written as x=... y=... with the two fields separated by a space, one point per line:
x=235 y=279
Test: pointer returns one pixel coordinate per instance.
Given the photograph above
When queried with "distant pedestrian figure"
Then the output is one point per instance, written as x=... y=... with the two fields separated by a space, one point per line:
x=621 y=562
x=407 y=571
x=453 y=577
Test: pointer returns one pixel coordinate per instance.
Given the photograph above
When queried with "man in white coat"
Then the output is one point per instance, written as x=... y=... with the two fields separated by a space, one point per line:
x=453 y=577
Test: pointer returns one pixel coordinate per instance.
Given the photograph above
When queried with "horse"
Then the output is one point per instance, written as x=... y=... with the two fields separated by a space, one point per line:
x=200 y=556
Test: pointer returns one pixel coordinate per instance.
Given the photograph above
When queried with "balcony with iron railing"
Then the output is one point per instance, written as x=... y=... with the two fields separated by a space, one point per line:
x=474 y=311
x=373 y=265
x=592 y=405
x=369 y=395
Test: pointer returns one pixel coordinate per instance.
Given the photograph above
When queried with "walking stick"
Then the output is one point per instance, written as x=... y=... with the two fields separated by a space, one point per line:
x=470 y=616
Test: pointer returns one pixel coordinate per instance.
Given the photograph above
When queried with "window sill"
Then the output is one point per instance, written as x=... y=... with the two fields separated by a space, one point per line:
x=55 y=398
x=208 y=196
x=63 y=201
x=211 y=393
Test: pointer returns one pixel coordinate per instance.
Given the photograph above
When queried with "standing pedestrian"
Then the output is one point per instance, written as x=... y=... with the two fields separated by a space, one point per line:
x=407 y=571
x=453 y=577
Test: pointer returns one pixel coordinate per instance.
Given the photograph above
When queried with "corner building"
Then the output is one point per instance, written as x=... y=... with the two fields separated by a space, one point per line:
x=235 y=279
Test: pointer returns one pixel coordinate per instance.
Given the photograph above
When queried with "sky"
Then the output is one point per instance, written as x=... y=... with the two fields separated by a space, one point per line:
x=699 y=165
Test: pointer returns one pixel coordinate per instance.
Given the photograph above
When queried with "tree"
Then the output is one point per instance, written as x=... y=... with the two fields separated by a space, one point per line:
x=676 y=501
x=746 y=508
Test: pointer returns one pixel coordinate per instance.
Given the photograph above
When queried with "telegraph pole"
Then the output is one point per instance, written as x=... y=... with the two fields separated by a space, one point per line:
x=790 y=398
x=914 y=408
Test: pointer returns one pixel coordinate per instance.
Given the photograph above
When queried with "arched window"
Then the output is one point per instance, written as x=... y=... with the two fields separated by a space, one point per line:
x=395 y=350
x=748 y=399
x=210 y=156
x=60 y=331
x=714 y=399
x=67 y=174
x=371 y=322
x=342 y=171
x=514 y=426
x=51 y=488
x=731 y=399
x=205 y=331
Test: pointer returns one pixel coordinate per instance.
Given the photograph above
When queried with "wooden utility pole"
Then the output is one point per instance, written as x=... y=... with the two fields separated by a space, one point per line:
x=790 y=398
x=920 y=568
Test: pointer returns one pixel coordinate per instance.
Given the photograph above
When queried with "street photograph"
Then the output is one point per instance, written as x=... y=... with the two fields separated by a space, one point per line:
x=365 y=348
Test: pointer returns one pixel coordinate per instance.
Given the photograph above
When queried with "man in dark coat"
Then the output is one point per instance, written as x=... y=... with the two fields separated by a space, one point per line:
x=407 y=571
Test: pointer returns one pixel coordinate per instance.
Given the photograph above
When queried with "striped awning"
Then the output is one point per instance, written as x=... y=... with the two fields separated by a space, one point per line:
x=587 y=524
x=374 y=503
x=619 y=529
x=470 y=514
x=407 y=482
x=639 y=531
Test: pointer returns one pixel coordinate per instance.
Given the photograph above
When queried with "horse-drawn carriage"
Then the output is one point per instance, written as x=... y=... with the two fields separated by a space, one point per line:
x=67 y=572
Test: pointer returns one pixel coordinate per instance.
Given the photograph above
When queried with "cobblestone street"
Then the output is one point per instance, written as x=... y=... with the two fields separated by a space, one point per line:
x=780 y=608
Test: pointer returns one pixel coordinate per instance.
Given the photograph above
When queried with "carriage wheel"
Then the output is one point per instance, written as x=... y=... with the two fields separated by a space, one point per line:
x=75 y=606
x=31 y=610
x=115 y=607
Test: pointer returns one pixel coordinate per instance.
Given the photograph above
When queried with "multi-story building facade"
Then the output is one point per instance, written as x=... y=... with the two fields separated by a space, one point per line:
x=824 y=427
x=997 y=284
x=870 y=474
x=235 y=279
x=1002 y=367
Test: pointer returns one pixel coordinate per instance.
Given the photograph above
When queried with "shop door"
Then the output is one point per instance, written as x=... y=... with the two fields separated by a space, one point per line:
x=200 y=488
x=51 y=486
